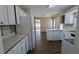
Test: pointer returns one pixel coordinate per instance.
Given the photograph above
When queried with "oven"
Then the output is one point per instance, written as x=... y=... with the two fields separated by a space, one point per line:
x=71 y=37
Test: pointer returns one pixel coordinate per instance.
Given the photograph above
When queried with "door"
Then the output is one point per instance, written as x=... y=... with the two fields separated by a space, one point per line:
x=33 y=32
x=11 y=14
x=22 y=45
x=3 y=15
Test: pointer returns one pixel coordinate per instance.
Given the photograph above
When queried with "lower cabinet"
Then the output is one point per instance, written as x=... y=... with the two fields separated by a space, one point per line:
x=54 y=35
x=26 y=44
x=21 y=47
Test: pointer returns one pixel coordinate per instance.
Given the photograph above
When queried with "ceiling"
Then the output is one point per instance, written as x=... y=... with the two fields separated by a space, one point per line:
x=45 y=11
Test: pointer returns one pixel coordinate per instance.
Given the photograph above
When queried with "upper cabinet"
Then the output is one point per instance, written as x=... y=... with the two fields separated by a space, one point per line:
x=3 y=15
x=70 y=17
x=17 y=11
x=10 y=15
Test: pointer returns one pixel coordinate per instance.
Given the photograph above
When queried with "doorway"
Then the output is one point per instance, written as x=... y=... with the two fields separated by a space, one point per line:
x=38 y=32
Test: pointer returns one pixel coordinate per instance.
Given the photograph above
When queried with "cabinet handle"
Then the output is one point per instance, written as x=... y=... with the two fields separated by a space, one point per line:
x=1 y=22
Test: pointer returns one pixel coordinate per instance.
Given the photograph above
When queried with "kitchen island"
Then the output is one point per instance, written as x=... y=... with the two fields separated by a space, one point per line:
x=54 y=34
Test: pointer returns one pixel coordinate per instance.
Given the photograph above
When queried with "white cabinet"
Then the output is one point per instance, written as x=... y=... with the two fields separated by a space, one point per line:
x=11 y=14
x=54 y=35
x=3 y=15
x=17 y=14
x=21 y=47
x=49 y=35
x=26 y=44
x=57 y=35
x=70 y=17
x=15 y=50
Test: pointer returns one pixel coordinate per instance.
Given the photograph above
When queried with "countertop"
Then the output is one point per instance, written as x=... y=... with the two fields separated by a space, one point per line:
x=62 y=30
x=11 y=41
x=55 y=29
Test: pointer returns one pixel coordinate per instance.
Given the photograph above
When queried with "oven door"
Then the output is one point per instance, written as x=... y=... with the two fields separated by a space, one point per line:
x=67 y=48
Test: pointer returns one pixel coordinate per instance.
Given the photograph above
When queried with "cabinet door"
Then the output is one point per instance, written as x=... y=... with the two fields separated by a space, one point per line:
x=26 y=44
x=57 y=35
x=11 y=14
x=67 y=18
x=3 y=15
x=49 y=35
x=17 y=14
x=22 y=45
x=16 y=49
x=71 y=18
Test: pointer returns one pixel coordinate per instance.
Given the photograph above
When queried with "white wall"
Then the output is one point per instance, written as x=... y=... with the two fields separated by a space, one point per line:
x=57 y=21
x=76 y=46
x=46 y=23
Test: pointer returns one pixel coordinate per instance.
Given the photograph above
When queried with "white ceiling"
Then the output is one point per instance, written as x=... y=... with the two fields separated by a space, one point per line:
x=44 y=10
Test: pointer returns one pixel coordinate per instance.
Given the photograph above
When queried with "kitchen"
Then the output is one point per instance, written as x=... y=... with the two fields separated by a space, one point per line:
x=17 y=29
x=66 y=31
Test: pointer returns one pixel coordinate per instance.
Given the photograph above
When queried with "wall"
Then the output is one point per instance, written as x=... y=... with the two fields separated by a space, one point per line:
x=57 y=21
x=76 y=45
x=46 y=23
x=69 y=27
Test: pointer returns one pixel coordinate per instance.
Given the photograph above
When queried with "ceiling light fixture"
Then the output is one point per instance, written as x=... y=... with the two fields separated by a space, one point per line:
x=51 y=6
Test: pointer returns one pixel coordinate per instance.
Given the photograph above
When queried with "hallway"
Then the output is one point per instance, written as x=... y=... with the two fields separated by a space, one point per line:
x=45 y=47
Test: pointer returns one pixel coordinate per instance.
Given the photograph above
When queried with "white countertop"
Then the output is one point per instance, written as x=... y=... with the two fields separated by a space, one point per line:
x=61 y=29
x=11 y=41
x=55 y=29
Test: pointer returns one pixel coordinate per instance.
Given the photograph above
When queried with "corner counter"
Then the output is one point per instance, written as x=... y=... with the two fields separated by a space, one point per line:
x=11 y=41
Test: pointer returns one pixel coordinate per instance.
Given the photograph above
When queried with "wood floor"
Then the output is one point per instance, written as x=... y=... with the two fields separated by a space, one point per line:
x=45 y=47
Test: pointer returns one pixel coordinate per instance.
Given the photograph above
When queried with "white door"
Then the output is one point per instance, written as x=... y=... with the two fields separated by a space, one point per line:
x=3 y=15
x=33 y=32
x=11 y=14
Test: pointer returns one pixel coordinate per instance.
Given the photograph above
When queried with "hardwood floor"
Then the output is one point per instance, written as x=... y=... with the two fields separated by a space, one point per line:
x=45 y=47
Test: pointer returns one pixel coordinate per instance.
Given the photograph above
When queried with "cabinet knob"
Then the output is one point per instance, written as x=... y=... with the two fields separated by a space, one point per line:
x=1 y=22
